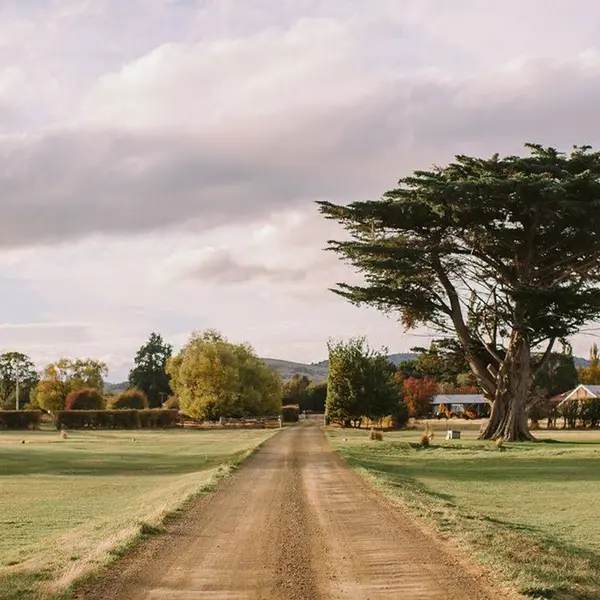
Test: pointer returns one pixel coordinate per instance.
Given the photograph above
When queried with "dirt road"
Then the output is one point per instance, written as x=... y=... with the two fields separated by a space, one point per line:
x=294 y=523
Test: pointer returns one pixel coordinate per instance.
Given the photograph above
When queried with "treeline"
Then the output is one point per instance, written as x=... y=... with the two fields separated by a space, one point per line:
x=208 y=379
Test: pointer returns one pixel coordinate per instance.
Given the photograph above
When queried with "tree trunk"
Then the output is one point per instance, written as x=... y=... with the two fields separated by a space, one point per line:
x=508 y=418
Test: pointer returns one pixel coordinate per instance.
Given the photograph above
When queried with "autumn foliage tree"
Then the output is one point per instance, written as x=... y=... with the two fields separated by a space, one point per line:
x=85 y=399
x=503 y=253
x=418 y=394
x=591 y=373
x=65 y=376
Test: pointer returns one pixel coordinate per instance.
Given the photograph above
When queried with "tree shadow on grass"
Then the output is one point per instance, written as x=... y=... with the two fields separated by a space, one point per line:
x=74 y=463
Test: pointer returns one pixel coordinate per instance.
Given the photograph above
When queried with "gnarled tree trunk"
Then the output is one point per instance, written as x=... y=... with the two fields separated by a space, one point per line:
x=508 y=418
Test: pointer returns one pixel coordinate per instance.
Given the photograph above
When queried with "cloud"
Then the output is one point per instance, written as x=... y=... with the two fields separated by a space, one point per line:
x=221 y=267
x=219 y=132
x=216 y=124
x=42 y=334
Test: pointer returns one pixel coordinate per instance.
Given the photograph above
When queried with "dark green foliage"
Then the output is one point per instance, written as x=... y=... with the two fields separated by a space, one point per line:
x=84 y=399
x=290 y=413
x=316 y=397
x=504 y=253
x=295 y=391
x=116 y=419
x=149 y=372
x=130 y=399
x=20 y=419
x=590 y=413
x=11 y=365
x=361 y=384
x=399 y=415
x=557 y=375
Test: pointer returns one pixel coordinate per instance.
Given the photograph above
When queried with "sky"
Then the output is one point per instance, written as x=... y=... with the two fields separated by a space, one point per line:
x=161 y=159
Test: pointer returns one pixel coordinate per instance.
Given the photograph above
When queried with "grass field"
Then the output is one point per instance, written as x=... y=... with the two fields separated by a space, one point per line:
x=66 y=506
x=531 y=512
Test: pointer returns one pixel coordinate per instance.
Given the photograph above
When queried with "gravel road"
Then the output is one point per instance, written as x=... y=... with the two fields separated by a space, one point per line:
x=294 y=523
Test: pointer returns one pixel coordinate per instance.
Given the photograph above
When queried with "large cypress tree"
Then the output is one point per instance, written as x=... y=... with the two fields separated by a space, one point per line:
x=504 y=253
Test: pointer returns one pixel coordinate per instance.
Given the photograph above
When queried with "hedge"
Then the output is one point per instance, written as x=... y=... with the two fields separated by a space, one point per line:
x=117 y=419
x=290 y=413
x=20 y=419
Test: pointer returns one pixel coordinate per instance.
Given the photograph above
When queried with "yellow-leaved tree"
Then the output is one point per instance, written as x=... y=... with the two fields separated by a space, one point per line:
x=591 y=374
x=65 y=376
x=214 y=378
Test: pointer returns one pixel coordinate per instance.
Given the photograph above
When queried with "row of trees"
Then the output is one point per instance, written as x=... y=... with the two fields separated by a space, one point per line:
x=210 y=378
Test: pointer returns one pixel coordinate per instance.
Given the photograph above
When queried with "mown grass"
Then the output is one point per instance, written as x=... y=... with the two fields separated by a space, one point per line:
x=531 y=512
x=68 y=506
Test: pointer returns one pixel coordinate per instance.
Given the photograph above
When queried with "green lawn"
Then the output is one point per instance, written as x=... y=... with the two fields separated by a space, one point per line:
x=66 y=505
x=531 y=513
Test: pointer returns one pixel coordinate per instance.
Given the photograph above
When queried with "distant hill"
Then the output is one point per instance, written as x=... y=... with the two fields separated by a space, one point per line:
x=317 y=371
x=115 y=388
x=287 y=369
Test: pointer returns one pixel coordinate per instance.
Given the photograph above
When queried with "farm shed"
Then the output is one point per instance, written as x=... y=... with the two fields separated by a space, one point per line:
x=474 y=405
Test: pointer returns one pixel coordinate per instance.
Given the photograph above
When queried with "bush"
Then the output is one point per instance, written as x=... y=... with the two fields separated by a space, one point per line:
x=130 y=399
x=399 y=415
x=590 y=413
x=172 y=403
x=290 y=413
x=20 y=419
x=116 y=419
x=84 y=399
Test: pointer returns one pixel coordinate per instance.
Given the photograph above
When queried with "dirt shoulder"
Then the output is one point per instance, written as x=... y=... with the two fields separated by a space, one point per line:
x=294 y=523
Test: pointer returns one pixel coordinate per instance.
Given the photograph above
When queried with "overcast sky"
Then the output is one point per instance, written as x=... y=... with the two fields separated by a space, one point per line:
x=160 y=159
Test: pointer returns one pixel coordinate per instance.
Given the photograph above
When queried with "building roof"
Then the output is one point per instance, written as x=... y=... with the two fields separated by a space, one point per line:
x=592 y=390
x=560 y=397
x=459 y=399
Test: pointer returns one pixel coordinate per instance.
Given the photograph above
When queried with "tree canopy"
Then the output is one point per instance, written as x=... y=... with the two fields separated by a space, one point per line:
x=149 y=373
x=15 y=365
x=65 y=376
x=361 y=383
x=214 y=378
x=591 y=373
x=504 y=253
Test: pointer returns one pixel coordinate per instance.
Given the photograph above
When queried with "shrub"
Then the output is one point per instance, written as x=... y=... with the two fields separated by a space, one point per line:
x=590 y=413
x=130 y=399
x=399 y=416
x=116 y=419
x=172 y=403
x=84 y=399
x=290 y=413
x=20 y=419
